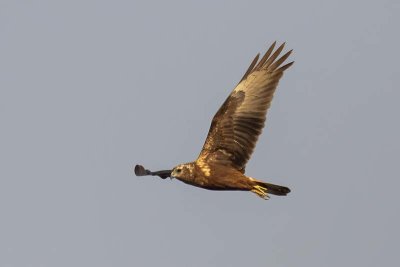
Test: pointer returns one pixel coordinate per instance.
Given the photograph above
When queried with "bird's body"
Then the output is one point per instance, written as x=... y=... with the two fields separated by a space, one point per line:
x=220 y=177
x=234 y=131
x=204 y=176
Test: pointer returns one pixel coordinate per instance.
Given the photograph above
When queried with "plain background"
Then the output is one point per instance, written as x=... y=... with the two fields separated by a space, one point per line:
x=90 y=88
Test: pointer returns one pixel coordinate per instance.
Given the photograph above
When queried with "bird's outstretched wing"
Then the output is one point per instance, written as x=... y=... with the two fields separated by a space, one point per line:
x=236 y=126
x=141 y=171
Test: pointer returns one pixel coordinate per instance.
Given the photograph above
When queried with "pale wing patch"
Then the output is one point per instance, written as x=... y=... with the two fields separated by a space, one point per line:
x=204 y=167
x=256 y=100
x=245 y=83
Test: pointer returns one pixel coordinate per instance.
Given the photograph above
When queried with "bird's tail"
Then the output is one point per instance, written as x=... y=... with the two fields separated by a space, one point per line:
x=262 y=189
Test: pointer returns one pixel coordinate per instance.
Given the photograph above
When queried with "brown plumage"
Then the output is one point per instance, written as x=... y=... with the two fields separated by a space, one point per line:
x=234 y=131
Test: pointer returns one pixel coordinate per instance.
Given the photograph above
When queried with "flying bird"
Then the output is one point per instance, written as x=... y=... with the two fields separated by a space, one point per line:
x=234 y=132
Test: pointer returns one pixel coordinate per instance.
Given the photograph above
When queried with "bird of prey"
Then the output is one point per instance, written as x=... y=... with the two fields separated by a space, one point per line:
x=234 y=132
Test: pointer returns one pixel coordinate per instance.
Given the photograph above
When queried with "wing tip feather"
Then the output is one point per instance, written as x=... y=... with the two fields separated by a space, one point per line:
x=268 y=61
x=286 y=66
x=275 y=65
x=251 y=67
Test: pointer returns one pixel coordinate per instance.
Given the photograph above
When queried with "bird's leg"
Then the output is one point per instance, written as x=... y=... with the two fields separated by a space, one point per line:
x=260 y=191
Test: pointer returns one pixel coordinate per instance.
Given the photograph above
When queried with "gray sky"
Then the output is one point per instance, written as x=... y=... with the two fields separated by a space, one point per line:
x=90 y=88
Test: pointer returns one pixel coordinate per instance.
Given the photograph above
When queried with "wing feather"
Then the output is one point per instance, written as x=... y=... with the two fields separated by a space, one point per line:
x=251 y=67
x=238 y=123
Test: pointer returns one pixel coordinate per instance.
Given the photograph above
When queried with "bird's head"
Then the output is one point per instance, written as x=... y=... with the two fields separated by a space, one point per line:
x=182 y=171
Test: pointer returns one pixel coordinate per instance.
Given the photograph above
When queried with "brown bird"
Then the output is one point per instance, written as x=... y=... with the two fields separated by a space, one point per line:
x=234 y=131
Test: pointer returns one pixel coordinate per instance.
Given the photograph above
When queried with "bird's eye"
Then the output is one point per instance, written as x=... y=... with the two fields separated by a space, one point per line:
x=178 y=170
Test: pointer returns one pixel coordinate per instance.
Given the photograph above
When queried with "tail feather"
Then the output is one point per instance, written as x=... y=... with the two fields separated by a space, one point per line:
x=263 y=189
x=275 y=189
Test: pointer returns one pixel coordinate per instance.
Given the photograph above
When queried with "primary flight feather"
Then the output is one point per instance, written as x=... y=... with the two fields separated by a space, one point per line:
x=234 y=132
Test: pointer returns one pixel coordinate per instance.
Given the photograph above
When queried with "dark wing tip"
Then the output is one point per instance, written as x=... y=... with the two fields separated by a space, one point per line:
x=285 y=67
x=251 y=67
x=140 y=170
x=268 y=60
